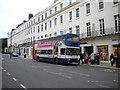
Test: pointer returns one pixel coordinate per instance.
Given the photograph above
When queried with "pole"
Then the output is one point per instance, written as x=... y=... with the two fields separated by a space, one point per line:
x=11 y=45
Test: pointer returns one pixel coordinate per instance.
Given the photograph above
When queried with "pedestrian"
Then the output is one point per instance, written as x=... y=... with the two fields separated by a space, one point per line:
x=82 y=58
x=97 y=58
x=92 y=56
x=86 y=57
x=112 y=59
x=89 y=60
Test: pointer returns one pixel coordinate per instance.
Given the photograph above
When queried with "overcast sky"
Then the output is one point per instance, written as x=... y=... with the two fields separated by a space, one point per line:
x=13 y=12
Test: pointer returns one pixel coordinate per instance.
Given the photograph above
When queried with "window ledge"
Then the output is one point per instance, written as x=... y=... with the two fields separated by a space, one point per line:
x=114 y=5
x=100 y=10
x=77 y=18
x=70 y=20
x=88 y=14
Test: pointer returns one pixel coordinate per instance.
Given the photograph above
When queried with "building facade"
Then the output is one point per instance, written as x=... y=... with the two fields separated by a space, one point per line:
x=96 y=21
x=3 y=45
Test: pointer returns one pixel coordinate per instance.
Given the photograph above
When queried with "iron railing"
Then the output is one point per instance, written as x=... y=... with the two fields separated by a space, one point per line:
x=97 y=33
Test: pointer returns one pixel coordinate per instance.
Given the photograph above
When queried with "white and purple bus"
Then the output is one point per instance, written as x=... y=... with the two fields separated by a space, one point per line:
x=64 y=49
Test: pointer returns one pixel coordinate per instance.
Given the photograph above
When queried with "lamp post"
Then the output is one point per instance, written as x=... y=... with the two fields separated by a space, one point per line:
x=11 y=43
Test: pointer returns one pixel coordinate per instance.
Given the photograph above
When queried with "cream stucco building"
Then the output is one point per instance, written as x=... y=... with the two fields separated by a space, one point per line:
x=96 y=21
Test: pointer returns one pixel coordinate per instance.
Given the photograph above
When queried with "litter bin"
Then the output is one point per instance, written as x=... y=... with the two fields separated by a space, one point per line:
x=25 y=56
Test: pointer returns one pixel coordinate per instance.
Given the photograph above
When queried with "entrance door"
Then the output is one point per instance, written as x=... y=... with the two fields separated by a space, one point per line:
x=89 y=50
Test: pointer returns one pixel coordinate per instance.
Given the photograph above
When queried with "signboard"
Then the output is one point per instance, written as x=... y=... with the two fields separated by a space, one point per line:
x=73 y=44
x=103 y=51
x=44 y=45
x=103 y=55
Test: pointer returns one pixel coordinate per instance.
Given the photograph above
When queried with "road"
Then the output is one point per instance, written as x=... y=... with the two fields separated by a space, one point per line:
x=27 y=73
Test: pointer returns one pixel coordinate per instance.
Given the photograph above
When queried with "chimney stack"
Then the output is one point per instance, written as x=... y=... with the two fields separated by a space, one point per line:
x=55 y=1
x=30 y=16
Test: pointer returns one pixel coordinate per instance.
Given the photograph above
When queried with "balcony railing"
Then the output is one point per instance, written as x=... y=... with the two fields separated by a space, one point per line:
x=98 y=33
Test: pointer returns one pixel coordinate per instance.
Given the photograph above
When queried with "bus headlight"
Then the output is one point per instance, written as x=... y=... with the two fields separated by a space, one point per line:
x=78 y=59
x=68 y=59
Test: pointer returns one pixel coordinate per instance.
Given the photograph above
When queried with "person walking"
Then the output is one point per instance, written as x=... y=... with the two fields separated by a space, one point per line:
x=97 y=58
x=112 y=59
x=82 y=58
x=86 y=57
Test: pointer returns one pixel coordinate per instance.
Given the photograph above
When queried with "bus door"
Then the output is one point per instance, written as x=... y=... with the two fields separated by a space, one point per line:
x=62 y=53
x=55 y=51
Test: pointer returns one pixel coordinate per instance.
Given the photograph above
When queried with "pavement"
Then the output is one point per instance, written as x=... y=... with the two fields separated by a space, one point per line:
x=104 y=65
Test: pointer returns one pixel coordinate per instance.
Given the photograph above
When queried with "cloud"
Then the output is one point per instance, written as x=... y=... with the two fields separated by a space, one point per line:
x=13 y=12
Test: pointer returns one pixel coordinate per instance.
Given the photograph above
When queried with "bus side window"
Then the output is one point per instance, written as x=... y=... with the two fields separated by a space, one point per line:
x=62 y=51
x=49 y=51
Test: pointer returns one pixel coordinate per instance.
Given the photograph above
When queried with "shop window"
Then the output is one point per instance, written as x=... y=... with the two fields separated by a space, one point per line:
x=103 y=51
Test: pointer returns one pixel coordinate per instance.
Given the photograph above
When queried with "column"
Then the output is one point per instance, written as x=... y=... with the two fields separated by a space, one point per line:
x=82 y=49
x=110 y=49
x=30 y=51
x=95 y=50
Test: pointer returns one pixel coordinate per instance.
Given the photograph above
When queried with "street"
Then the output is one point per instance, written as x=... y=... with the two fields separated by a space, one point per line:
x=27 y=73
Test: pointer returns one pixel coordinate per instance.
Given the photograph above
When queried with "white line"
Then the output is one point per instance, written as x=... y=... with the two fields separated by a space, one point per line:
x=23 y=86
x=8 y=74
x=60 y=74
x=14 y=79
x=4 y=70
x=103 y=86
x=76 y=73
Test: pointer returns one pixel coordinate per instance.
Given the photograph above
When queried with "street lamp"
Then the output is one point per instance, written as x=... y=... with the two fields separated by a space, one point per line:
x=11 y=43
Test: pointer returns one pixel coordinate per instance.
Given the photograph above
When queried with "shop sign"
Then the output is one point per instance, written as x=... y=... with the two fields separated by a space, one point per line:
x=103 y=55
x=103 y=51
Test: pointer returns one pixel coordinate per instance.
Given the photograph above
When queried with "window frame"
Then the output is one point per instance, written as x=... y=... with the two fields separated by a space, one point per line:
x=88 y=29
x=88 y=8
x=101 y=4
x=77 y=12
x=70 y=15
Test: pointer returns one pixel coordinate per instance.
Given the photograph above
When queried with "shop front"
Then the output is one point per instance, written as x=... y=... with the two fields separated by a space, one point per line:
x=115 y=50
x=103 y=52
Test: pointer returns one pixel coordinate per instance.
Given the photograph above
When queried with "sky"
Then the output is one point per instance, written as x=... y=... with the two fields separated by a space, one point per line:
x=13 y=12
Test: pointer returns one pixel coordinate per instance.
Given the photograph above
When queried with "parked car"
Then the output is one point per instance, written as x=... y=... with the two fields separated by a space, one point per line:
x=14 y=54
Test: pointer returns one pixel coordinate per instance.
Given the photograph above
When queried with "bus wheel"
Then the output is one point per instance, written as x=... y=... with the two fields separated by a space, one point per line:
x=37 y=60
x=78 y=64
x=56 y=60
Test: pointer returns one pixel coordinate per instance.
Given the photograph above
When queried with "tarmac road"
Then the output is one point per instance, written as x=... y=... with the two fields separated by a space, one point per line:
x=27 y=73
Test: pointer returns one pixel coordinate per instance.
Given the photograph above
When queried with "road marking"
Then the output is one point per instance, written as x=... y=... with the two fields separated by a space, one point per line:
x=8 y=74
x=14 y=79
x=23 y=86
x=4 y=70
x=1 y=67
x=104 y=86
x=115 y=80
x=82 y=74
x=59 y=74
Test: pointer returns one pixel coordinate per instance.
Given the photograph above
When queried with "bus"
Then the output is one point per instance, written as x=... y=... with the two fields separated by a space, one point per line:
x=64 y=49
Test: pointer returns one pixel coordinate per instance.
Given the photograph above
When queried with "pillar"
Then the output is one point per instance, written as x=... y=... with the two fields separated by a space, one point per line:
x=110 y=49
x=82 y=49
x=95 y=50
